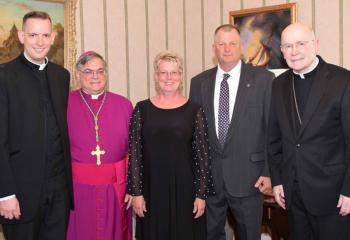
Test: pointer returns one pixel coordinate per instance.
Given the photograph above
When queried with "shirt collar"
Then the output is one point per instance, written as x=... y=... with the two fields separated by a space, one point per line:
x=233 y=72
x=40 y=66
x=312 y=67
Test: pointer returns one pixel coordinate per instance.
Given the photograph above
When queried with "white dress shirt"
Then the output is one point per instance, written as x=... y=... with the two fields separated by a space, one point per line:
x=233 y=82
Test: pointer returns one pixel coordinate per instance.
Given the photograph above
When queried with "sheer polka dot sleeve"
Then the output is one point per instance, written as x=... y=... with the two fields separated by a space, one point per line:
x=135 y=154
x=203 y=178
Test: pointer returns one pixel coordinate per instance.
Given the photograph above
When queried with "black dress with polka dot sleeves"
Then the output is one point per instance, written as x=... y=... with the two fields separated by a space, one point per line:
x=169 y=165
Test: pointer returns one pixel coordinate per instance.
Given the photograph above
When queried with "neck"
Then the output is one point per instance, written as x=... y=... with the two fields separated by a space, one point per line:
x=38 y=62
x=228 y=66
x=169 y=96
x=92 y=93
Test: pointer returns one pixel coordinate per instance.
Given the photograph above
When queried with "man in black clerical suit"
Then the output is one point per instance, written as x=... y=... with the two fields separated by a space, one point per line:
x=35 y=169
x=309 y=140
x=235 y=97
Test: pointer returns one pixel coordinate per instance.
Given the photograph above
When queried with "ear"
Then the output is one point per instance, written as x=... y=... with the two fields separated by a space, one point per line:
x=317 y=45
x=20 y=35
x=53 y=35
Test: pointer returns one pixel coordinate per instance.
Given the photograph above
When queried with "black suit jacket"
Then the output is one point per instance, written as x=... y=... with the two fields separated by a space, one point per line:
x=319 y=154
x=22 y=161
x=237 y=166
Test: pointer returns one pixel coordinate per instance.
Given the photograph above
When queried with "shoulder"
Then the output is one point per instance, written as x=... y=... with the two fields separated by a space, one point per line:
x=74 y=94
x=11 y=65
x=193 y=104
x=143 y=103
x=258 y=71
x=204 y=75
x=282 y=78
x=335 y=70
x=195 y=107
x=57 y=68
x=121 y=100
x=12 y=70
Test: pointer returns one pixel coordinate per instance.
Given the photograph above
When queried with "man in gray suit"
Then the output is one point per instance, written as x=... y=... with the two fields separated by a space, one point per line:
x=235 y=97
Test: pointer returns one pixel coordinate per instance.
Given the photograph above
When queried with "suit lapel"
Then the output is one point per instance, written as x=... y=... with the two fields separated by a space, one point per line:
x=288 y=102
x=317 y=90
x=245 y=82
x=208 y=88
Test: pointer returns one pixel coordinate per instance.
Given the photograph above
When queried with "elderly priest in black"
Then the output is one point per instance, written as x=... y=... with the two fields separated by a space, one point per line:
x=309 y=140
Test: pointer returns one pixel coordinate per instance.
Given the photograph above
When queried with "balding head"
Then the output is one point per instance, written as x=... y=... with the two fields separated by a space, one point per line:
x=299 y=47
x=297 y=30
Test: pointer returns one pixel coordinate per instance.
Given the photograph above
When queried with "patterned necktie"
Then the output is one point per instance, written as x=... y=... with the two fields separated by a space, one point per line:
x=224 y=109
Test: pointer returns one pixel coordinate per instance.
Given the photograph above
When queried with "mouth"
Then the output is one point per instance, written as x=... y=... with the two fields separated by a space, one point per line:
x=39 y=49
x=168 y=83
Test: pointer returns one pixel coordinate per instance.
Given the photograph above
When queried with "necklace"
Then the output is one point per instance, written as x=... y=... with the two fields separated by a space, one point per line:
x=296 y=102
x=98 y=151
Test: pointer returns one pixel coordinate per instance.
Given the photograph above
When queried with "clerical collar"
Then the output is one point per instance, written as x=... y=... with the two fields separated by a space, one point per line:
x=40 y=66
x=93 y=96
x=312 y=68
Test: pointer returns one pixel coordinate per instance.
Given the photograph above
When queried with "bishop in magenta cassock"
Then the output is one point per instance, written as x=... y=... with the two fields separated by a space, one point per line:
x=98 y=123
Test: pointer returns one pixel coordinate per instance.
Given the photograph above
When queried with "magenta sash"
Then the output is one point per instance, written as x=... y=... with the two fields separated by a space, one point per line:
x=107 y=173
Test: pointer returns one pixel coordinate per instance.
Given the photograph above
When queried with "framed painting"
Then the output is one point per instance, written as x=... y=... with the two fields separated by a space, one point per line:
x=62 y=13
x=261 y=30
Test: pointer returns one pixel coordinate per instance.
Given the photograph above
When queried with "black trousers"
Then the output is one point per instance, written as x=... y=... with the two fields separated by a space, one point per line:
x=305 y=226
x=51 y=220
x=247 y=212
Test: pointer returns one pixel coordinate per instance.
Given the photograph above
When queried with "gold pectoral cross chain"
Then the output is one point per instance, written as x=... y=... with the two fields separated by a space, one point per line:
x=98 y=151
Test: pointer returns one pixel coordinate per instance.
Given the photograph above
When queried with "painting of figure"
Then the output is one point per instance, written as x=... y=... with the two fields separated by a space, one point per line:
x=261 y=30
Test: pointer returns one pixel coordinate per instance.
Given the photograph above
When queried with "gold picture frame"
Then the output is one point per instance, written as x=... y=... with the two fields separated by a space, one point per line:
x=70 y=50
x=260 y=30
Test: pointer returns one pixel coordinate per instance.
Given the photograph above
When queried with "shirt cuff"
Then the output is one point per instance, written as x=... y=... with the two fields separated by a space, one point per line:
x=8 y=197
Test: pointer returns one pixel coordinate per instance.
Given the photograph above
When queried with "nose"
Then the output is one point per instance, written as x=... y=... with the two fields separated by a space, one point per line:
x=40 y=40
x=227 y=48
x=94 y=74
x=294 y=50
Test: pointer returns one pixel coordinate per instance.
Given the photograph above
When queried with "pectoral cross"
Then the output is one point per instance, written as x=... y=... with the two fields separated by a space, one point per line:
x=98 y=152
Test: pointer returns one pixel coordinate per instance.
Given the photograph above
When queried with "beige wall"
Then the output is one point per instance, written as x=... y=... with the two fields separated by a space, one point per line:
x=129 y=33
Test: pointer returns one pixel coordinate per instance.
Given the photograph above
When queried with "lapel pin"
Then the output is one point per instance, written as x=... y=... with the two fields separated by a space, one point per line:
x=248 y=85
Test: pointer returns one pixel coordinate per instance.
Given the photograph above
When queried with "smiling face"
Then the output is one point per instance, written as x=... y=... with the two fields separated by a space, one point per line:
x=168 y=77
x=92 y=76
x=37 y=38
x=227 y=48
x=299 y=47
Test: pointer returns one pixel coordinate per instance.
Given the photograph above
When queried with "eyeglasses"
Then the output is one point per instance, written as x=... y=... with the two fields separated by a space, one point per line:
x=90 y=73
x=166 y=74
x=299 y=45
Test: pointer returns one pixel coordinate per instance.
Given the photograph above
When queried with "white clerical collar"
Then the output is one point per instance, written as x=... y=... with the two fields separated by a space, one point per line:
x=41 y=66
x=94 y=96
x=313 y=66
x=233 y=72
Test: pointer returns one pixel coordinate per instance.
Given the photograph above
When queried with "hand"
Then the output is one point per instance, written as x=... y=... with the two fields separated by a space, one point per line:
x=264 y=184
x=279 y=196
x=344 y=205
x=198 y=207
x=139 y=205
x=128 y=200
x=10 y=208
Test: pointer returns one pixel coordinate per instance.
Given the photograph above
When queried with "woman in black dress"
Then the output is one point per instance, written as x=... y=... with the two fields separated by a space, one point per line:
x=169 y=173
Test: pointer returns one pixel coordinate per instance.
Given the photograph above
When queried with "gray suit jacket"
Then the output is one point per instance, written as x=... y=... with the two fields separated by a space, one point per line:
x=237 y=166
